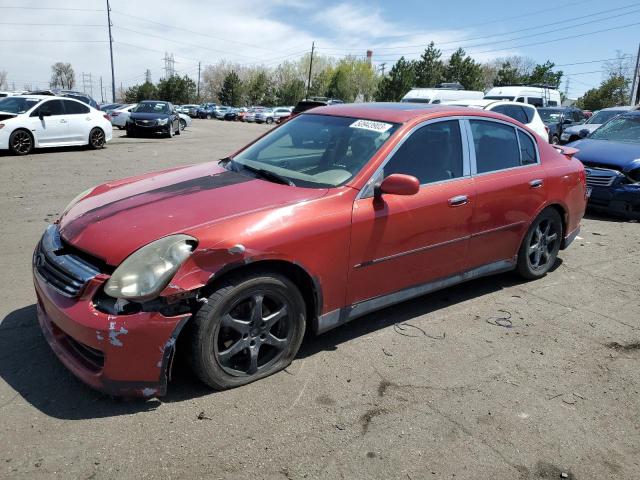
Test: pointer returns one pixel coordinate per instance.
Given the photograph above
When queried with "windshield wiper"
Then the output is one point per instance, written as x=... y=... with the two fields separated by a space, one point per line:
x=265 y=174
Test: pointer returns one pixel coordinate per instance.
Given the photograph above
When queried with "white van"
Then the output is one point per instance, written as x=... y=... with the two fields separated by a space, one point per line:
x=439 y=95
x=536 y=96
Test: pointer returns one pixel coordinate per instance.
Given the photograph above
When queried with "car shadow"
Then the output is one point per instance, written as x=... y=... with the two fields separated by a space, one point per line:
x=30 y=368
x=604 y=217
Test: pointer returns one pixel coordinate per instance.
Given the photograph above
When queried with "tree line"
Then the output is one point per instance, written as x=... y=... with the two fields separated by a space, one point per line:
x=353 y=79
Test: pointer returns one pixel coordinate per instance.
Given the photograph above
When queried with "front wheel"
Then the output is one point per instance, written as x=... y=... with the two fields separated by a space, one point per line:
x=540 y=246
x=269 y=121
x=96 y=138
x=20 y=142
x=251 y=327
x=183 y=124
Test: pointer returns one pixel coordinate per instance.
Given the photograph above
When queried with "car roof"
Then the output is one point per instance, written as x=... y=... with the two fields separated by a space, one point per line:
x=626 y=107
x=395 y=112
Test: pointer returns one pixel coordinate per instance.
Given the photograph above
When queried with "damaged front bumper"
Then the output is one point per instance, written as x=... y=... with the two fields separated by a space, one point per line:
x=618 y=199
x=123 y=355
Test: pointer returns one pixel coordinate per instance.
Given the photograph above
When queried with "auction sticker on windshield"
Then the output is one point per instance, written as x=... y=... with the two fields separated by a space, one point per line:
x=371 y=125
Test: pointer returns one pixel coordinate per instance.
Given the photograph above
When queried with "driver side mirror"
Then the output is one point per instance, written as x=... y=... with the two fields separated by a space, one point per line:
x=397 y=184
x=584 y=133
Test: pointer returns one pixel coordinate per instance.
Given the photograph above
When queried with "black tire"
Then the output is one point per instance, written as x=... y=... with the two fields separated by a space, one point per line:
x=169 y=133
x=208 y=116
x=120 y=128
x=183 y=124
x=555 y=140
x=540 y=246
x=254 y=345
x=20 y=142
x=97 y=138
x=177 y=132
x=269 y=120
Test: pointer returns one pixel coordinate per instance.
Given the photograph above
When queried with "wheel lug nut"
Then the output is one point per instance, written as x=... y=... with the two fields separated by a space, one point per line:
x=252 y=343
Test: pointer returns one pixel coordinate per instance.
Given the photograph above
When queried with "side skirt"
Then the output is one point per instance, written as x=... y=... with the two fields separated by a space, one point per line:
x=343 y=315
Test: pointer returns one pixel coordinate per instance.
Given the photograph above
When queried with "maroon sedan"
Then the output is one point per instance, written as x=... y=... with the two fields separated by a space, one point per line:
x=338 y=212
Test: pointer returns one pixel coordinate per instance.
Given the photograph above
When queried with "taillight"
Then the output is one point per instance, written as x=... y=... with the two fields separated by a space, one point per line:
x=107 y=116
x=114 y=114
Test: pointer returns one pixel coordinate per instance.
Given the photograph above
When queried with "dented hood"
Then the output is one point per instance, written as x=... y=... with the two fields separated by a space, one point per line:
x=118 y=218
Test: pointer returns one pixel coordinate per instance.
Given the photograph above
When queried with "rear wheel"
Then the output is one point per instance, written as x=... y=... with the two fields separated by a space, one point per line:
x=97 y=138
x=251 y=327
x=540 y=246
x=20 y=142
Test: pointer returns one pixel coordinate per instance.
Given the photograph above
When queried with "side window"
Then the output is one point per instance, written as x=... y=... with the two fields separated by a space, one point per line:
x=431 y=154
x=529 y=112
x=513 y=111
x=535 y=101
x=520 y=99
x=552 y=103
x=52 y=107
x=527 y=149
x=75 y=108
x=496 y=146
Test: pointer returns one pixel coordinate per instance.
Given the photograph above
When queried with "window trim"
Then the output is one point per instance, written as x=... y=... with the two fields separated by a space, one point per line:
x=368 y=188
x=472 y=150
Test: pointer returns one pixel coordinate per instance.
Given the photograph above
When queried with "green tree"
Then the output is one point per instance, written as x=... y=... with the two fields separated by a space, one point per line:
x=258 y=91
x=231 y=91
x=320 y=83
x=176 y=89
x=430 y=68
x=463 y=69
x=543 y=74
x=508 y=75
x=399 y=81
x=137 y=93
x=291 y=92
x=613 y=92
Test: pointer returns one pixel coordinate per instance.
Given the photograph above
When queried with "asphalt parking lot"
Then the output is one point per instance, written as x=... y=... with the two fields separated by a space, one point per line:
x=497 y=378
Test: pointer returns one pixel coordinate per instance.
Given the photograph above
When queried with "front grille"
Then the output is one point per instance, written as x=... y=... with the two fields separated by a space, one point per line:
x=601 y=177
x=91 y=358
x=67 y=273
x=146 y=123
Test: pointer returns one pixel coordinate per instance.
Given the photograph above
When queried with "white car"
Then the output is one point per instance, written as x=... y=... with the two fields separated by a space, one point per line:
x=185 y=120
x=119 y=116
x=524 y=113
x=39 y=121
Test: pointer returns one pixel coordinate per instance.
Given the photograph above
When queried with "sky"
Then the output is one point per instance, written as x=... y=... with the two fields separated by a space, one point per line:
x=36 y=33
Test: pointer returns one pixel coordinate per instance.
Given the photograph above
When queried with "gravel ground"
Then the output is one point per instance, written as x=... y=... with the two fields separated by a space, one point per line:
x=440 y=387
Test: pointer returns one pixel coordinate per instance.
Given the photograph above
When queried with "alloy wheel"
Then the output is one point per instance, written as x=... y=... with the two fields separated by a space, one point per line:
x=96 y=138
x=541 y=248
x=253 y=334
x=21 y=142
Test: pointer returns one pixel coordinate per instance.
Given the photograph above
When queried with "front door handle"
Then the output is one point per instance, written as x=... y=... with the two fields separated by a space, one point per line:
x=63 y=121
x=458 y=200
x=537 y=183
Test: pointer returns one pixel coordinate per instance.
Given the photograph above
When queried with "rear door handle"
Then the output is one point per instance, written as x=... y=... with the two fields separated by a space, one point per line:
x=537 y=183
x=458 y=200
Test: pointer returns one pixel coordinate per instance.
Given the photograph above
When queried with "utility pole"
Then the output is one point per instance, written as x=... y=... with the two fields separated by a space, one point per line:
x=113 y=76
x=566 y=88
x=198 y=89
x=635 y=84
x=313 y=46
x=382 y=67
x=101 y=91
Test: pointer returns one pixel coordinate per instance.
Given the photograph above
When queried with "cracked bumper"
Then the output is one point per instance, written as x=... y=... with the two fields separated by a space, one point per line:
x=621 y=200
x=123 y=355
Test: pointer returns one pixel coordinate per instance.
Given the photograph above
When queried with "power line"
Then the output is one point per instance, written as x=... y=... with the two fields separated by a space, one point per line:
x=52 y=8
x=14 y=24
x=45 y=40
x=593 y=61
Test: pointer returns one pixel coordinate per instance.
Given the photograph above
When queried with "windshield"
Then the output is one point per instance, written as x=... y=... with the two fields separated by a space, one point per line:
x=550 y=116
x=499 y=97
x=620 y=129
x=152 y=107
x=317 y=150
x=415 y=100
x=603 y=116
x=17 y=104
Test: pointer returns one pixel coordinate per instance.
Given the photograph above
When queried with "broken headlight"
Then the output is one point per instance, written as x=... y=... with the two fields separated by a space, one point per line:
x=145 y=273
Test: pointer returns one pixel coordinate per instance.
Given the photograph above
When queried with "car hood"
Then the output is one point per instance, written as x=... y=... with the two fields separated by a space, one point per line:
x=618 y=155
x=576 y=129
x=118 y=218
x=148 y=116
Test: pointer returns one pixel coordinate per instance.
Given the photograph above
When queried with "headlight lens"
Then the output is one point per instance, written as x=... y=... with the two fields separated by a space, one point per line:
x=146 y=272
x=76 y=199
x=162 y=121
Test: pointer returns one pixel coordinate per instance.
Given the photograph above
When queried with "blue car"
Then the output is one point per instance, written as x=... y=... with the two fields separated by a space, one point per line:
x=611 y=156
x=207 y=110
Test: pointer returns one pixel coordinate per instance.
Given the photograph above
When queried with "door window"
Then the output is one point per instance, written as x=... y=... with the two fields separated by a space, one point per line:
x=431 y=154
x=53 y=107
x=514 y=111
x=75 y=108
x=527 y=149
x=536 y=101
x=496 y=146
x=520 y=99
